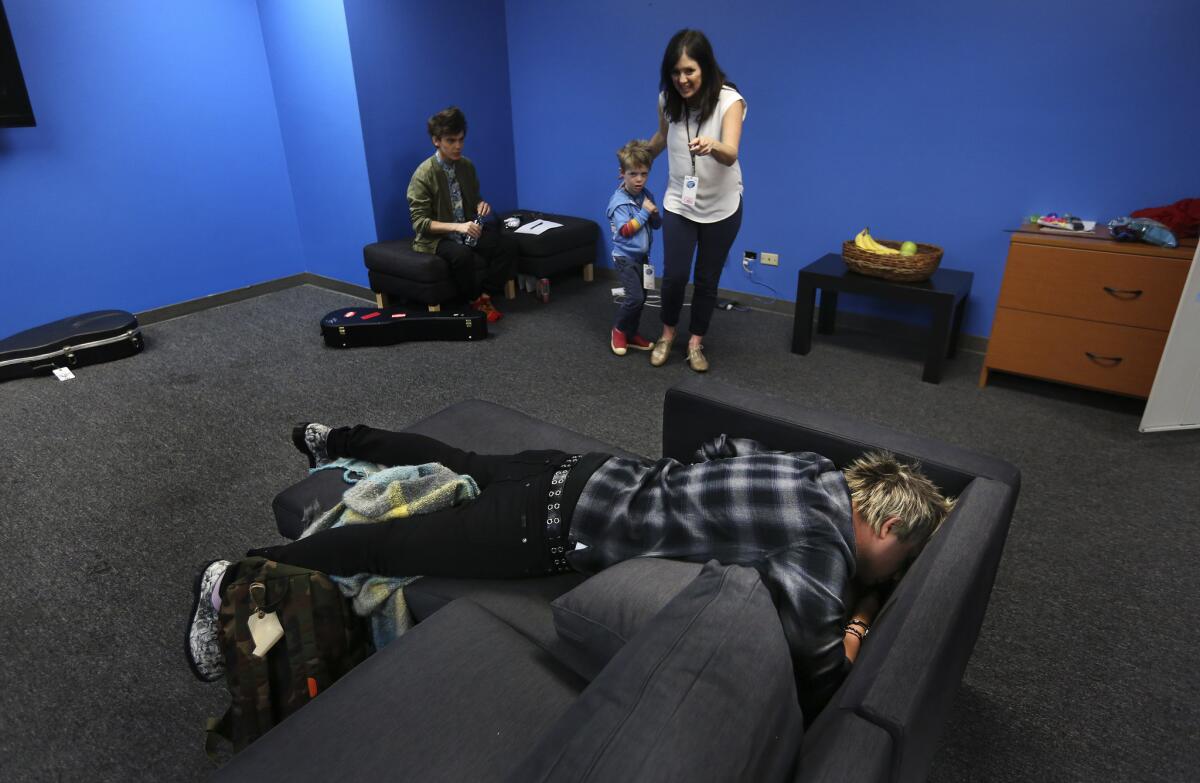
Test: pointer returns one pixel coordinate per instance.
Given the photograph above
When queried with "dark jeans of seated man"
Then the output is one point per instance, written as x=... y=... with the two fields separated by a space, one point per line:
x=497 y=248
x=499 y=534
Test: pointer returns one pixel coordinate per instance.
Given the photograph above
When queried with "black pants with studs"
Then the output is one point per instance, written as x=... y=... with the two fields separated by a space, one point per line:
x=499 y=534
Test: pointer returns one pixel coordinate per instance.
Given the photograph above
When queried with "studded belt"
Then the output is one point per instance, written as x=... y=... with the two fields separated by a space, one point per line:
x=557 y=545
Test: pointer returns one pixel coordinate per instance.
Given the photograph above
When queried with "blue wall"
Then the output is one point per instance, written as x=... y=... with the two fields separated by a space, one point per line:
x=156 y=172
x=412 y=59
x=190 y=148
x=308 y=50
x=940 y=122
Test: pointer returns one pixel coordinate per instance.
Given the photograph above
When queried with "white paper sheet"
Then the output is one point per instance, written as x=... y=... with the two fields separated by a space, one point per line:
x=537 y=227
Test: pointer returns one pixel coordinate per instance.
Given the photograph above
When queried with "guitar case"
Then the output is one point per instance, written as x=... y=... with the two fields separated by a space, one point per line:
x=90 y=338
x=352 y=327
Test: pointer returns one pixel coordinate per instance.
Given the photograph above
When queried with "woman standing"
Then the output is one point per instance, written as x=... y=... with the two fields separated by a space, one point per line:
x=700 y=119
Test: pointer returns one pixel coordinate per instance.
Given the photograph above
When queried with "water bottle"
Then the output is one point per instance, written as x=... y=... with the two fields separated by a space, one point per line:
x=469 y=240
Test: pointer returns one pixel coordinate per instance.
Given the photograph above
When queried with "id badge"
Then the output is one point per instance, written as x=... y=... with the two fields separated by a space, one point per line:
x=648 y=277
x=690 y=186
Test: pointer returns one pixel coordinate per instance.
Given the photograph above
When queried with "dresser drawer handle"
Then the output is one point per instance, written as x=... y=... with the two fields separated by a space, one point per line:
x=1123 y=293
x=1105 y=361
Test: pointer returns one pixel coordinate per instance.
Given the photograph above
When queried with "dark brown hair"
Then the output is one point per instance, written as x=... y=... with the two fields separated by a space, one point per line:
x=695 y=45
x=447 y=122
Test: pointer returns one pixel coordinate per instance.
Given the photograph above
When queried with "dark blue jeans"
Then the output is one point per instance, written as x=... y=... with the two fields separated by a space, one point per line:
x=629 y=314
x=710 y=243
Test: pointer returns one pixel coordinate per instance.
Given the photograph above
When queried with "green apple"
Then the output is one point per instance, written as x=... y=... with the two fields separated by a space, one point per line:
x=908 y=249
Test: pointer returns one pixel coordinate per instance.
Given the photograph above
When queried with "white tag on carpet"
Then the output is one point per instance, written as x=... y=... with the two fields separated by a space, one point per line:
x=63 y=374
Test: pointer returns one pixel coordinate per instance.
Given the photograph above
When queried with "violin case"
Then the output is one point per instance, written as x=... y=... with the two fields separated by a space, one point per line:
x=90 y=338
x=351 y=327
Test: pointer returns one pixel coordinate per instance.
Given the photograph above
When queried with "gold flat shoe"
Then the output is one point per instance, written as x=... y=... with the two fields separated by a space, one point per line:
x=662 y=349
x=696 y=358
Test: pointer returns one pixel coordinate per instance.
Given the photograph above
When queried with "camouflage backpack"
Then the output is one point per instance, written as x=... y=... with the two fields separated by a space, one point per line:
x=321 y=640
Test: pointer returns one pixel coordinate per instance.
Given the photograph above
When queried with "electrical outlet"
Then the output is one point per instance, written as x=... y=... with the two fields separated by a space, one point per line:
x=770 y=259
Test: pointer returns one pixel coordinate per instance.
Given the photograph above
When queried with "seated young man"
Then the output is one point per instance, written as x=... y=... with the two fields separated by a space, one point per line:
x=444 y=202
x=815 y=533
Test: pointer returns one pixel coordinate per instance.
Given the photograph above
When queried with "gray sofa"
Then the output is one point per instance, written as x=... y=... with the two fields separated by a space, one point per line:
x=653 y=670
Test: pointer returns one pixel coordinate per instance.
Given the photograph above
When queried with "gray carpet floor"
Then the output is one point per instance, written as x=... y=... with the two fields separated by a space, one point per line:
x=116 y=485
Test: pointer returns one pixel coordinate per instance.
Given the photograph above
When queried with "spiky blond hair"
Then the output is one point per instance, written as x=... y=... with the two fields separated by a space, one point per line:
x=882 y=486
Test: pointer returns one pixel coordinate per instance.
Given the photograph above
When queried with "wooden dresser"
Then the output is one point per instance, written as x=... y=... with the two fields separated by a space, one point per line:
x=1086 y=310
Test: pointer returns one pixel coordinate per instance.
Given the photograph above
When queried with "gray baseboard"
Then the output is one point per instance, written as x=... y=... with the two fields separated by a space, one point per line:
x=160 y=314
x=767 y=304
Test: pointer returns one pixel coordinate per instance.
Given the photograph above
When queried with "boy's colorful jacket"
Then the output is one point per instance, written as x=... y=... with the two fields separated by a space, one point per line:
x=628 y=218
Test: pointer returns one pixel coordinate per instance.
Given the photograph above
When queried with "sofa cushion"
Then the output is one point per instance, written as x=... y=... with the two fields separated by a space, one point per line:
x=429 y=594
x=398 y=259
x=304 y=501
x=704 y=692
x=462 y=696
x=599 y=616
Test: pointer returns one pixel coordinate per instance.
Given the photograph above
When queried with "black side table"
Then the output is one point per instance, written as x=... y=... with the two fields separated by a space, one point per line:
x=945 y=294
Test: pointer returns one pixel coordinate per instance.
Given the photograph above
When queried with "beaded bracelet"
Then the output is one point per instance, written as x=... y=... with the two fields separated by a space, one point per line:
x=852 y=630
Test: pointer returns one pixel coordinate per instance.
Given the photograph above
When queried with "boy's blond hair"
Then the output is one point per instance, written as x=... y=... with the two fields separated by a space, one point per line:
x=882 y=486
x=635 y=153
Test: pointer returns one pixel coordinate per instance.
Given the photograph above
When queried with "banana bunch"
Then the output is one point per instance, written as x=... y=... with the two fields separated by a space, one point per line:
x=864 y=241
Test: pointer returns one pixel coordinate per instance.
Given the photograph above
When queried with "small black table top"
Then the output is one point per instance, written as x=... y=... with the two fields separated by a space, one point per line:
x=832 y=270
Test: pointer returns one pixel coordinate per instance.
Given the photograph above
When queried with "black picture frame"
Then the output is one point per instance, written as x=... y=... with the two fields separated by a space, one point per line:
x=15 y=109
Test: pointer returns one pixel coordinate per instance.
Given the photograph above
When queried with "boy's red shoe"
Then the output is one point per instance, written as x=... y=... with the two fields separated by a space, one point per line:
x=484 y=305
x=617 y=342
x=639 y=342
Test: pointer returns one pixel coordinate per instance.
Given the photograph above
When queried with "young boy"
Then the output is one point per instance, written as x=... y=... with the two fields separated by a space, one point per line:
x=632 y=214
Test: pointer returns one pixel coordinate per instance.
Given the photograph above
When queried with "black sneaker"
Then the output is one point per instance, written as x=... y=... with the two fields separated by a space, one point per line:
x=309 y=439
x=201 y=642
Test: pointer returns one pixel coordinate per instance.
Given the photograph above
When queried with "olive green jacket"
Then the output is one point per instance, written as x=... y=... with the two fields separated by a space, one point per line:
x=429 y=199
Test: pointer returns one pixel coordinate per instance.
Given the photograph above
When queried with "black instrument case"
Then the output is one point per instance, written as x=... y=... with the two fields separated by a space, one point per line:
x=351 y=327
x=90 y=338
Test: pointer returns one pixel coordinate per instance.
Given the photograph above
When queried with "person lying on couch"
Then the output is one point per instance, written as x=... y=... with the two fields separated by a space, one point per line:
x=815 y=533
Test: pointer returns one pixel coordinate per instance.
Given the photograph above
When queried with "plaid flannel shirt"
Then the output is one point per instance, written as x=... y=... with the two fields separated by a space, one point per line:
x=785 y=514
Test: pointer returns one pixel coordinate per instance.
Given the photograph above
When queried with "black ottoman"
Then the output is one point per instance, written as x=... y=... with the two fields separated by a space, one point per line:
x=571 y=246
x=398 y=273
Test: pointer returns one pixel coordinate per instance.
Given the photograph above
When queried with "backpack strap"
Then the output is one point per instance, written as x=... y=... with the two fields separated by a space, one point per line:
x=301 y=644
x=248 y=677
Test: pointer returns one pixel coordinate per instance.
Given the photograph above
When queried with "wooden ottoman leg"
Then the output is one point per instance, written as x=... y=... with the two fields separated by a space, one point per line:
x=589 y=273
x=510 y=289
x=381 y=300
x=435 y=308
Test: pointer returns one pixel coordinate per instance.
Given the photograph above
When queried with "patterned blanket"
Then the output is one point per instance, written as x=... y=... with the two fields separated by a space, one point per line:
x=378 y=494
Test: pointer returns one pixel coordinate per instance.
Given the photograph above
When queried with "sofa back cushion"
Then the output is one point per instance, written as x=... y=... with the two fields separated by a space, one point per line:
x=599 y=616
x=704 y=692
x=701 y=408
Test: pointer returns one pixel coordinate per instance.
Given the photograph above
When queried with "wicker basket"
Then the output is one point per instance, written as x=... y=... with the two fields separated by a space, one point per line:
x=905 y=269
